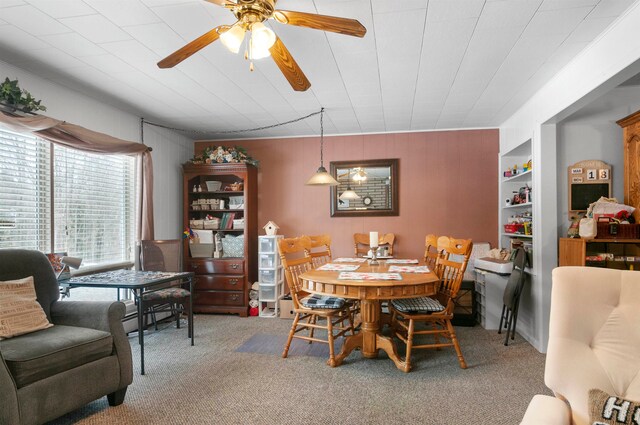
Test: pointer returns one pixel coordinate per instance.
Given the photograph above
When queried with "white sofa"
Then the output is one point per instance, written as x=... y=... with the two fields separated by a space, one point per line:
x=594 y=342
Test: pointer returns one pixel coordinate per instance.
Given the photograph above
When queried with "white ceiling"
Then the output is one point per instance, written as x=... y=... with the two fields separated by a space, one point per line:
x=424 y=64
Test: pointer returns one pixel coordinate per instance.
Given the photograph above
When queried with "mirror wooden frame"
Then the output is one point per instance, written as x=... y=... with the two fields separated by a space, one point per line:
x=393 y=173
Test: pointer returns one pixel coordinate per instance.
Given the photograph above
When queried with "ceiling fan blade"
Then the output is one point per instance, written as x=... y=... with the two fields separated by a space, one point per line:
x=181 y=54
x=321 y=22
x=288 y=66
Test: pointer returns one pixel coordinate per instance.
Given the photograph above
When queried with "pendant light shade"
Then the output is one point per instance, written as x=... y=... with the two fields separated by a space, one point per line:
x=262 y=38
x=349 y=194
x=322 y=177
x=232 y=38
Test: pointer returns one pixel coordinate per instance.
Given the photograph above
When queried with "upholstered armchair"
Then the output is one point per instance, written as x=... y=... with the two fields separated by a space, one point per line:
x=85 y=355
x=594 y=343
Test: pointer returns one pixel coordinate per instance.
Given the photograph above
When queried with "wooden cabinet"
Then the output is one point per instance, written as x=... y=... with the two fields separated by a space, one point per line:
x=222 y=284
x=631 y=145
x=609 y=253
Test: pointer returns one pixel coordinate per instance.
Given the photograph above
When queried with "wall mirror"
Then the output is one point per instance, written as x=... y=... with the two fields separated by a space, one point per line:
x=366 y=188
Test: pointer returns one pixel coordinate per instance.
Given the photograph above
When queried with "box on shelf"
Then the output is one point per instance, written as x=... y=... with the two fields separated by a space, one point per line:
x=607 y=230
x=238 y=224
x=212 y=224
x=201 y=250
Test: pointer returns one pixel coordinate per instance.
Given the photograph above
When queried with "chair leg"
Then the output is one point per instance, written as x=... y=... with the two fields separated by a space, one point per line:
x=407 y=359
x=312 y=320
x=291 y=332
x=515 y=320
x=454 y=339
x=332 y=358
x=507 y=325
x=116 y=398
x=176 y=311
x=504 y=307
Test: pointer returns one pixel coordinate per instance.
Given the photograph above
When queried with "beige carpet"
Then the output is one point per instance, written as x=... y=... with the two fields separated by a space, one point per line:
x=213 y=383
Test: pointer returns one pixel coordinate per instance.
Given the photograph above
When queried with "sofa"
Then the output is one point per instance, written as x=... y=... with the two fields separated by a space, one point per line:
x=594 y=344
x=85 y=355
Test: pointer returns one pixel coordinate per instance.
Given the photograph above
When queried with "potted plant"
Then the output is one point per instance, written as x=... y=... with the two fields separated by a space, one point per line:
x=19 y=99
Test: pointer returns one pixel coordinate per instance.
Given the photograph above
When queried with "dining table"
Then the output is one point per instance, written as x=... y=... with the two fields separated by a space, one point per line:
x=371 y=284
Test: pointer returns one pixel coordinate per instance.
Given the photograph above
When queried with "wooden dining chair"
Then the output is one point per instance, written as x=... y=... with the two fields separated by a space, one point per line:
x=437 y=311
x=319 y=249
x=362 y=247
x=432 y=253
x=311 y=307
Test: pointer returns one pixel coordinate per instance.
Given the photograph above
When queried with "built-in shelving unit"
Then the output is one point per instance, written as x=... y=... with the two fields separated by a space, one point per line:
x=512 y=185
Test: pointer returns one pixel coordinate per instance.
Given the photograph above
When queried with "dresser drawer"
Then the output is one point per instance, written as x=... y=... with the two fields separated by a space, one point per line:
x=222 y=266
x=219 y=298
x=231 y=282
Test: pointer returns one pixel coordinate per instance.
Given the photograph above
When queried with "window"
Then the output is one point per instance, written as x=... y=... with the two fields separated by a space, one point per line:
x=58 y=199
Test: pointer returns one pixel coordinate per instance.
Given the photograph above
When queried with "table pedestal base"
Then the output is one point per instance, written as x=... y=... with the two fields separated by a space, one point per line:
x=370 y=340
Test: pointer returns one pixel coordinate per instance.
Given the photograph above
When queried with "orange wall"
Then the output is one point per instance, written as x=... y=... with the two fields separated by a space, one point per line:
x=448 y=186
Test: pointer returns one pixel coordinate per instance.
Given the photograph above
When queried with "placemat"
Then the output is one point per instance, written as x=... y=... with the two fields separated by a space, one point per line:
x=339 y=267
x=409 y=269
x=399 y=261
x=369 y=276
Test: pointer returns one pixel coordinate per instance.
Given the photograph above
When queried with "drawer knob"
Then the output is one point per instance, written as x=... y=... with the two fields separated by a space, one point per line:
x=235 y=266
x=234 y=297
x=233 y=281
x=194 y=266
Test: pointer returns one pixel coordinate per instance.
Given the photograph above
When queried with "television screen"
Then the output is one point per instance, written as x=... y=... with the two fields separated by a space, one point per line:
x=583 y=194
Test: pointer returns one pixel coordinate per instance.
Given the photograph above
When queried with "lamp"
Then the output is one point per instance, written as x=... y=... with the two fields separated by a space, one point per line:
x=349 y=194
x=262 y=38
x=322 y=177
x=73 y=262
x=232 y=38
x=360 y=176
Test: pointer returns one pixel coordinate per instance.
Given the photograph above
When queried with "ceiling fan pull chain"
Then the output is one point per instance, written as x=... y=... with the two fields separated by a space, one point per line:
x=251 y=66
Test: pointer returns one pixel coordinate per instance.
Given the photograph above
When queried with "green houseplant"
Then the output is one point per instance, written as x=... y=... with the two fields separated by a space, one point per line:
x=12 y=95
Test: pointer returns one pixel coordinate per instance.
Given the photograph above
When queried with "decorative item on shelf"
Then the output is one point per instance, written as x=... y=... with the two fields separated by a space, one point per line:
x=217 y=245
x=322 y=176
x=223 y=155
x=234 y=187
x=213 y=185
x=17 y=99
x=253 y=302
x=373 y=243
x=271 y=228
x=188 y=233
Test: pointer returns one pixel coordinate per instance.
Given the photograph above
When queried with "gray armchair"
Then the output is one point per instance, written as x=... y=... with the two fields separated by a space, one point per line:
x=84 y=356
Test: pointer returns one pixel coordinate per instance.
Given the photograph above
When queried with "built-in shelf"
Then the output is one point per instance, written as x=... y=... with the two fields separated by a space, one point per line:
x=524 y=176
x=216 y=210
x=528 y=204
x=517 y=235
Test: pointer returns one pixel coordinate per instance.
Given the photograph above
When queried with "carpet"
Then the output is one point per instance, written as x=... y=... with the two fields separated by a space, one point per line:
x=235 y=375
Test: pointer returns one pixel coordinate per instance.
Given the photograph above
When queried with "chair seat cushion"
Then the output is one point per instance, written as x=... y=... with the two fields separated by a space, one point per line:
x=322 y=301
x=420 y=305
x=41 y=354
x=165 y=294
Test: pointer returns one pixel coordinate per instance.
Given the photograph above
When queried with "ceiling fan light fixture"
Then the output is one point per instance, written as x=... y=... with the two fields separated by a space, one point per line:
x=262 y=38
x=233 y=37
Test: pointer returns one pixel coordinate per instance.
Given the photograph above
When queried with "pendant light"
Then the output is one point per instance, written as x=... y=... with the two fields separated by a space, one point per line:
x=349 y=194
x=322 y=177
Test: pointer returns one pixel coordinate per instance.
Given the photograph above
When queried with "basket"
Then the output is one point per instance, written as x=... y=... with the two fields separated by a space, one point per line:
x=610 y=230
x=213 y=185
x=238 y=224
x=201 y=250
x=196 y=224
x=211 y=224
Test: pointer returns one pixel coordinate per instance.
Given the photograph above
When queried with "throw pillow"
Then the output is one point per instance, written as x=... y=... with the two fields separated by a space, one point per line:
x=605 y=409
x=233 y=246
x=20 y=313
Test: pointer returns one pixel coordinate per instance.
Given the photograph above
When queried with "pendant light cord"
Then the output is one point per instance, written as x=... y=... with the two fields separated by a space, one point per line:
x=321 y=137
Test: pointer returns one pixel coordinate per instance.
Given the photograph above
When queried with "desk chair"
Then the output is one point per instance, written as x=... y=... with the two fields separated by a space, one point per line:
x=165 y=256
x=362 y=247
x=311 y=307
x=436 y=311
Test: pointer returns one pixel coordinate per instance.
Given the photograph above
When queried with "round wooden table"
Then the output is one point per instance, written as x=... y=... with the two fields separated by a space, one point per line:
x=370 y=293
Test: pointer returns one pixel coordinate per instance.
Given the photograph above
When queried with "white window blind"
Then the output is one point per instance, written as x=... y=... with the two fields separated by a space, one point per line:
x=25 y=192
x=85 y=202
x=94 y=205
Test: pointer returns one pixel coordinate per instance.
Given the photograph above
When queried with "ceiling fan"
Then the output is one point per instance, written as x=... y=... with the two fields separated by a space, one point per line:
x=263 y=42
